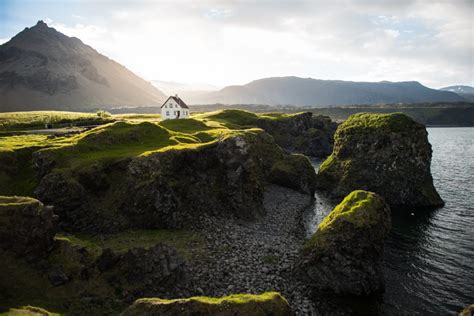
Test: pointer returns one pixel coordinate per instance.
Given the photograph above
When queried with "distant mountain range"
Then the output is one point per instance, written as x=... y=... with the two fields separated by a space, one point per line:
x=310 y=92
x=466 y=92
x=43 y=69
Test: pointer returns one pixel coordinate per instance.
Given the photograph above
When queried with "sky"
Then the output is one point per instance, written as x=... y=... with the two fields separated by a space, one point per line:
x=234 y=42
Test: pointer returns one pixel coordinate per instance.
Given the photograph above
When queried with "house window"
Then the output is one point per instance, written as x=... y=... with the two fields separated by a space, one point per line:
x=167 y=113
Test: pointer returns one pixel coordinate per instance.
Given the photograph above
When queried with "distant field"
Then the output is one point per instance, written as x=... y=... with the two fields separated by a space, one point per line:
x=12 y=121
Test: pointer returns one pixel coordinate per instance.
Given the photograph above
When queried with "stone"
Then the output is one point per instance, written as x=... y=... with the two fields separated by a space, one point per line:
x=27 y=227
x=344 y=256
x=269 y=303
x=388 y=154
x=295 y=172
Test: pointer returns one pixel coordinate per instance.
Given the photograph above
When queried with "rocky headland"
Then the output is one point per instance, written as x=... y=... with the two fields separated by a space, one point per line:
x=388 y=154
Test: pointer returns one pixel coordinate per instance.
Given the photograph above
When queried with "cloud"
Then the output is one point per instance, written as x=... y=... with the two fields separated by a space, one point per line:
x=233 y=42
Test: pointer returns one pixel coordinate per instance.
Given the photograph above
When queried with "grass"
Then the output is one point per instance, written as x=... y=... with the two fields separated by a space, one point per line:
x=130 y=136
x=11 y=121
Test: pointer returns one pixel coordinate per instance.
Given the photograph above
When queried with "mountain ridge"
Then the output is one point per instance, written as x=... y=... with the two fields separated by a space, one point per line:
x=297 y=91
x=41 y=68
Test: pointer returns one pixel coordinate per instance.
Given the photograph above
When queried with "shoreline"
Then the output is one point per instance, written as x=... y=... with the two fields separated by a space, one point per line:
x=254 y=257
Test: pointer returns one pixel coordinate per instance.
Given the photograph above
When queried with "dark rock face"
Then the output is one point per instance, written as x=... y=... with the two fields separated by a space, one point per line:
x=174 y=188
x=26 y=226
x=295 y=172
x=159 y=265
x=385 y=153
x=270 y=303
x=302 y=133
x=344 y=256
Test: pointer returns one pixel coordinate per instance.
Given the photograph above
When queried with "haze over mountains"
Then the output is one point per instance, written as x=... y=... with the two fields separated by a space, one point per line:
x=312 y=92
x=41 y=68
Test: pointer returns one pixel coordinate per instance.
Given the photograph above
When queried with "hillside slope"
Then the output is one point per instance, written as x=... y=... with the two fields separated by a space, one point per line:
x=41 y=68
x=312 y=92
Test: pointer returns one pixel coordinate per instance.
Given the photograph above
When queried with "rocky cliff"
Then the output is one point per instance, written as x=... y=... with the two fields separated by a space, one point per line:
x=385 y=153
x=344 y=256
x=301 y=133
x=162 y=188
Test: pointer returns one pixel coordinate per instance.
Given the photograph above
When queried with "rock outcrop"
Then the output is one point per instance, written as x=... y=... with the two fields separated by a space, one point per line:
x=295 y=172
x=26 y=226
x=385 y=153
x=143 y=270
x=270 y=303
x=170 y=188
x=344 y=255
x=302 y=133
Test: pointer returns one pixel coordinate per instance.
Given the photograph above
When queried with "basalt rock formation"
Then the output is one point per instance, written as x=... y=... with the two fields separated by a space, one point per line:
x=385 y=153
x=166 y=189
x=294 y=172
x=270 y=303
x=302 y=133
x=26 y=226
x=344 y=256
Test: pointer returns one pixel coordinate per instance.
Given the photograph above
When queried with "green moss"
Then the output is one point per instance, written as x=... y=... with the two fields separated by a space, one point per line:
x=16 y=200
x=395 y=122
x=361 y=208
x=28 y=311
x=269 y=303
x=234 y=299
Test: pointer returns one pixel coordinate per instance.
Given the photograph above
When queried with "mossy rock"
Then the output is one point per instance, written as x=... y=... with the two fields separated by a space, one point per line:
x=385 y=153
x=295 y=172
x=344 y=256
x=269 y=303
x=26 y=226
x=468 y=311
x=28 y=311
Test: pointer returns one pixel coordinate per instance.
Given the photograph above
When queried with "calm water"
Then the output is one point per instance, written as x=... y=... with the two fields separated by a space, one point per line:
x=429 y=256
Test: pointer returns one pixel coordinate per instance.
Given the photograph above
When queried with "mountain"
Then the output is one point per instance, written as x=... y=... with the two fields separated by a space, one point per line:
x=466 y=92
x=316 y=93
x=43 y=69
x=185 y=90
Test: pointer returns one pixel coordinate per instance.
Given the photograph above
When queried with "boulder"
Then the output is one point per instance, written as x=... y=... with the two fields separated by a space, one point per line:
x=270 y=303
x=344 y=256
x=295 y=172
x=26 y=226
x=385 y=153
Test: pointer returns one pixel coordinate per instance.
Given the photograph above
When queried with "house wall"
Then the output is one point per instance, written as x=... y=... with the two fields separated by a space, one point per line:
x=171 y=109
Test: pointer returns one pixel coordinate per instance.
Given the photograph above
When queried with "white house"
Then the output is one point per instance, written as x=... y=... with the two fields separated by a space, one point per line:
x=174 y=108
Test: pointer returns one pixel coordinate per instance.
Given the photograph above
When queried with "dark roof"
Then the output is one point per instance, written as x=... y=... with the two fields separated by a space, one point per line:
x=177 y=100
